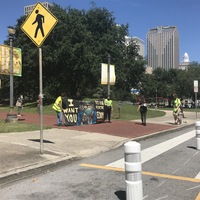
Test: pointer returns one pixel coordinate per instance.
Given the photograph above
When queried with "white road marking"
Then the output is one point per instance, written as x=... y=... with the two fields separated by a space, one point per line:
x=161 y=183
x=198 y=176
x=193 y=188
x=187 y=161
x=175 y=171
x=156 y=150
x=164 y=197
x=195 y=153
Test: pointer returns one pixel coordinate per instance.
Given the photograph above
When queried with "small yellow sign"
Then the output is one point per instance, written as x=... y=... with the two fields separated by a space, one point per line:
x=39 y=24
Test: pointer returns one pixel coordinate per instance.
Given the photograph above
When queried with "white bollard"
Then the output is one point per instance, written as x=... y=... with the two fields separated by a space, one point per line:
x=197 y=125
x=133 y=171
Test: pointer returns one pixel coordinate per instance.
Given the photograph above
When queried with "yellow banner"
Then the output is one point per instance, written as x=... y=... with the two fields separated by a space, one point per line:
x=5 y=60
x=104 y=74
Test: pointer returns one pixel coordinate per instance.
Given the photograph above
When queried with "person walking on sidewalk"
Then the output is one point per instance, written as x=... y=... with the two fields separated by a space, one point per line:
x=57 y=106
x=107 y=109
x=181 y=108
x=142 y=108
x=19 y=105
x=176 y=110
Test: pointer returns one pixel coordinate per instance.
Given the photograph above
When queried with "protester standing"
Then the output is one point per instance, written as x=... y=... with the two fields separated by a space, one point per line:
x=142 y=108
x=107 y=108
x=19 y=105
x=57 y=106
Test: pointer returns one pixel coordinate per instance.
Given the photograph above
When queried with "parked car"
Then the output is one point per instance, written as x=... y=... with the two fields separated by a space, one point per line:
x=152 y=104
x=188 y=103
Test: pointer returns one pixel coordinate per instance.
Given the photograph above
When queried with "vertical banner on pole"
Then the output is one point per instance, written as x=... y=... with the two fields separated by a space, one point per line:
x=195 y=86
x=5 y=59
x=104 y=74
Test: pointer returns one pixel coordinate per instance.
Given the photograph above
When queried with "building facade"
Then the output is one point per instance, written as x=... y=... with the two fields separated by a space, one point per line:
x=163 y=47
x=136 y=41
x=185 y=63
x=28 y=9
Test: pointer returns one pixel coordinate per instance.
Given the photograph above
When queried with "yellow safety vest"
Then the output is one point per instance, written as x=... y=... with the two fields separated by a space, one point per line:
x=108 y=102
x=177 y=103
x=56 y=105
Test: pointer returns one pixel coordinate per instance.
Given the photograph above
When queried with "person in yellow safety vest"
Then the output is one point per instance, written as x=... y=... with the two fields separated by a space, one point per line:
x=176 y=110
x=107 y=108
x=57 y=106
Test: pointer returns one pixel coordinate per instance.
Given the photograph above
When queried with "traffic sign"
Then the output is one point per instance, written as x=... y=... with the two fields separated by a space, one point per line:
x=39 y=24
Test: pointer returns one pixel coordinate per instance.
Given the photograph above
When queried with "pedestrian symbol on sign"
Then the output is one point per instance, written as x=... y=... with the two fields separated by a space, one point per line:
x=40 y=20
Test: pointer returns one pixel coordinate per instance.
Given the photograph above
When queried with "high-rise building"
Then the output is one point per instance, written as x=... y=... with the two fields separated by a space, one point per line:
x=163 y=47
x=28 y=9
x=138 y=42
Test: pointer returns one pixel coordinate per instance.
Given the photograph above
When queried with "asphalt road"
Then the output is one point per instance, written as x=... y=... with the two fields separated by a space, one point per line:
x=83 y=180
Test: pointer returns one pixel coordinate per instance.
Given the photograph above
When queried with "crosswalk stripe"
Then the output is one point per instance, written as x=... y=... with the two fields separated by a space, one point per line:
x=198 y=175
x=152 y=152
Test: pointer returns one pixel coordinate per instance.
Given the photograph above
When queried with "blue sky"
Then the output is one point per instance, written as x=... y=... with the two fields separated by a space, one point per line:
x=141 y=15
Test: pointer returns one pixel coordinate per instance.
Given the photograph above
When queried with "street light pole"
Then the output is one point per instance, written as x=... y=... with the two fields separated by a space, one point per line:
x=156 y=99
x=109 y=74
x=11 y=117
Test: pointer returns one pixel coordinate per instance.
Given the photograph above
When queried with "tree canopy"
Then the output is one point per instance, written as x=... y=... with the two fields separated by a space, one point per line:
x=166 y=83
x=72 y=55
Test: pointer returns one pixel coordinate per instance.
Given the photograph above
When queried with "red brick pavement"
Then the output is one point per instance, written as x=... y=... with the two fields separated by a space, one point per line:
x=117 y=127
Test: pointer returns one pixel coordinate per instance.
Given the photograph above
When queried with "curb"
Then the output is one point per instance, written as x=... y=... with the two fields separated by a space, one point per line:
x=28 y=171
x=162 y=132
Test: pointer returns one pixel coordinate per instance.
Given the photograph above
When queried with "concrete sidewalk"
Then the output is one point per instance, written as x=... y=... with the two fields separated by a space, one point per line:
x=21 y=154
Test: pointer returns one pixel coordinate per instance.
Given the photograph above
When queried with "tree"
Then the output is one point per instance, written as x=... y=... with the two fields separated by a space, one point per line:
x=73 y=52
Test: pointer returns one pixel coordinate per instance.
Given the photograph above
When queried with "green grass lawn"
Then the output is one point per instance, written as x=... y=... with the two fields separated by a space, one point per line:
x=127 y=112
x=17 y=127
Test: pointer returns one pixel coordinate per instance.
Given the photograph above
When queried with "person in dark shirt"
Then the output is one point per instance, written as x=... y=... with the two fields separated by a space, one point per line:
x=142 y=108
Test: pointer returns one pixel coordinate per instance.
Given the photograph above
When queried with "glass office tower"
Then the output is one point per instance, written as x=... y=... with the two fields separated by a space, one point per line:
x=163 y=47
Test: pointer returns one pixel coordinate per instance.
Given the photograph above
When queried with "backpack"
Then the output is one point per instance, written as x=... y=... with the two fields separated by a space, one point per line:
x=143 y=108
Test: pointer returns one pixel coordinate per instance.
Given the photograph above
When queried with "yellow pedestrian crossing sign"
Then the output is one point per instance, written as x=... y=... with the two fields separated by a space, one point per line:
x=39 y=24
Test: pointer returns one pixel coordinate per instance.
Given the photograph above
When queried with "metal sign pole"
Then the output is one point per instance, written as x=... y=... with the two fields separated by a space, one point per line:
x=27 y=28
x=196 y=103
x=108 y=74
x=41 y=101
